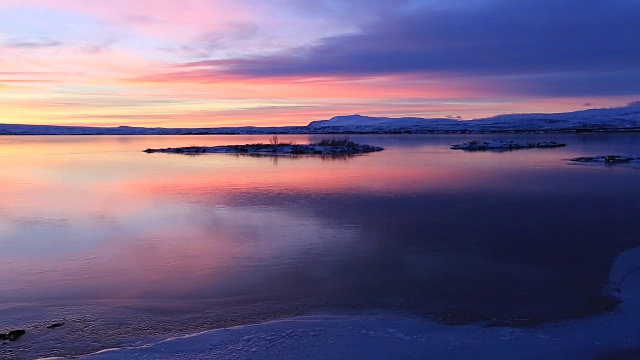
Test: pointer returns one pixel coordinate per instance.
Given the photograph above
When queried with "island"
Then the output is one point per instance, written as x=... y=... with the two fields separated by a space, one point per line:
x=326 y=147
x=504 y=145
x=608 y=159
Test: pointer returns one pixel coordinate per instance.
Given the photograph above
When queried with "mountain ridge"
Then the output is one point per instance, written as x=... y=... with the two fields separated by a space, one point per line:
x=625 y=118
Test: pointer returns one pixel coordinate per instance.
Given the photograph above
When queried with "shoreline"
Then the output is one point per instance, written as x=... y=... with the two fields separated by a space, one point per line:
x=378 y=335
x=95 y=326
x=116 y=329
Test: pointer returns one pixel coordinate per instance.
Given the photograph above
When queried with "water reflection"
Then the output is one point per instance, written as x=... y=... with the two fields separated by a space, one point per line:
x=277 y=158
x=417 y=227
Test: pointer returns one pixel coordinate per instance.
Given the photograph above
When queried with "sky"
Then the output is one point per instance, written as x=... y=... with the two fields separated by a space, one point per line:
x=205 y=63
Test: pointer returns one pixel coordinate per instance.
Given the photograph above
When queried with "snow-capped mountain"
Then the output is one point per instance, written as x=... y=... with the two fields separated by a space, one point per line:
x=359 y=120
x=621 y=118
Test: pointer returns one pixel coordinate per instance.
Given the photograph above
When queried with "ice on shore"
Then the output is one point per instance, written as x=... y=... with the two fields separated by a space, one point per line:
x=612 y=335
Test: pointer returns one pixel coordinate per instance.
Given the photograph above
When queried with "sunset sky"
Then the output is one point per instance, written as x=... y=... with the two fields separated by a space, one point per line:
x=204 y=63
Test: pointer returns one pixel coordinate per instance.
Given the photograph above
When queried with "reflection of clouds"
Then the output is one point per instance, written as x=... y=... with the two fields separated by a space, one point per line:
x=39 y=222
x=165 y=250
x=416 y=226
x=5 y=230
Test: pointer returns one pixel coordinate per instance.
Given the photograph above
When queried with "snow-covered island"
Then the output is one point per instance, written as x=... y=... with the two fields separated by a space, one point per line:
x=608 y=159
x=326 y=147
x=504 y=145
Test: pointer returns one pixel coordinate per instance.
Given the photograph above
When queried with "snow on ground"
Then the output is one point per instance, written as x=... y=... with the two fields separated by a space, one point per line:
x=621 y=118
x=611 y=336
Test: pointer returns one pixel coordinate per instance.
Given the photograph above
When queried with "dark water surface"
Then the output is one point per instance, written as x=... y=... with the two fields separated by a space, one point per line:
x=519 y=236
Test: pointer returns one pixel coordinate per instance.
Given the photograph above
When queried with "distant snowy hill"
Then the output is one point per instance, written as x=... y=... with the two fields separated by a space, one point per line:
x=610 y=119
x=359 y=120
x=622 y=118
x=627 y=117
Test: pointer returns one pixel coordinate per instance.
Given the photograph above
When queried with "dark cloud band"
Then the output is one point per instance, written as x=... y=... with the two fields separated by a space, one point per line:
x=559 y=47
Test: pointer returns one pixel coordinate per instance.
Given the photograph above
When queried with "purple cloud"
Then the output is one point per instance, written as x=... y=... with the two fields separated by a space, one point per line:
x=555 y=47
x=41 y=42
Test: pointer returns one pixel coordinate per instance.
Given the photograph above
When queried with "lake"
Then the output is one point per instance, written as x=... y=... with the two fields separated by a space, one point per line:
x=96 y=232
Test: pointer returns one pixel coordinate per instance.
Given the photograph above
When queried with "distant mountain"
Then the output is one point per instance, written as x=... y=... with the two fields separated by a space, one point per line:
x=626 y=118
x=621 y=118
x=359 y=120
x=17 y=129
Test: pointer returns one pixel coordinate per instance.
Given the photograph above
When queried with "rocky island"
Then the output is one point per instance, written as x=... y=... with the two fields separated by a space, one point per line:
x=326 y=147
x=504 y=145
x=608 y=159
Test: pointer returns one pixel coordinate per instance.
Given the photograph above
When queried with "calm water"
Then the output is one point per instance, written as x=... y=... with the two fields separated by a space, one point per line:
x=418 y=227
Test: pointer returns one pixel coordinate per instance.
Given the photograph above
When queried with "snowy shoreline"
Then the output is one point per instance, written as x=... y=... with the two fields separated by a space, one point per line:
x=395 y=336
x=372 y=335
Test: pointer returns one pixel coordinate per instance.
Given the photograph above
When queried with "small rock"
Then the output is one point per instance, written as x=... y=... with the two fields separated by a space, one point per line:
x=503 y=145
x=56 y=325
x=12 y=335
x=608 y=159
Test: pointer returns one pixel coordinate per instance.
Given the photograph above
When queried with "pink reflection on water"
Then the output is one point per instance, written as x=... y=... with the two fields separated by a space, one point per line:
x=104 y=240
x=95 y=217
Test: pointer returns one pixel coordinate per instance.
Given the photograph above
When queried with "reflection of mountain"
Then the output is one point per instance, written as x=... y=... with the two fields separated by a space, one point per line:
x=620 y=118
